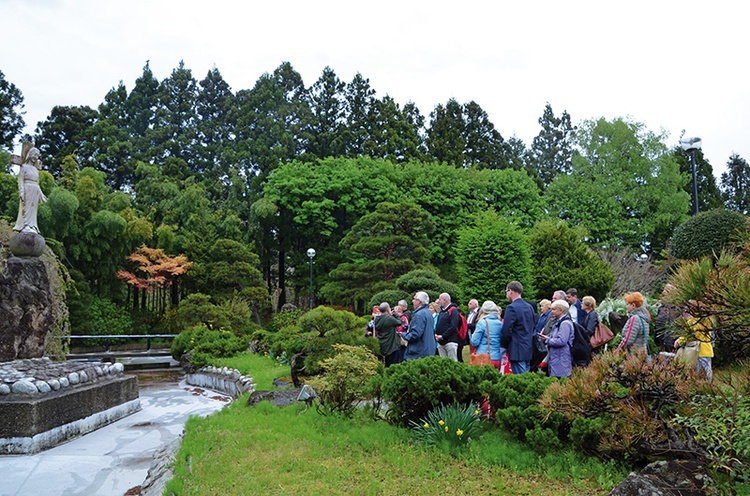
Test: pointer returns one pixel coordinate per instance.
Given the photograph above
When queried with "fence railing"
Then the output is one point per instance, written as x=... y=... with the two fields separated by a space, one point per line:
x=109 y=337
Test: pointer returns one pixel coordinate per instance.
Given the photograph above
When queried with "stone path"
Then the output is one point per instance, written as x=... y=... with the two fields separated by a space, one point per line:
x=115 y=459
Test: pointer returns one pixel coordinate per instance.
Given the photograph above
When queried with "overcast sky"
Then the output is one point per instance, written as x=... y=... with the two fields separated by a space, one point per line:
x=672 y=65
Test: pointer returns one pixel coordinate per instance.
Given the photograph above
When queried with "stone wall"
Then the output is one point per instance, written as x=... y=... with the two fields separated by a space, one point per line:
x=225 y=380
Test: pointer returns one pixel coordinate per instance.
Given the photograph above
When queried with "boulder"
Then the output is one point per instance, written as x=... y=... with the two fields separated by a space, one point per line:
x=26 y=309
x=667 y=478
x=27 y=244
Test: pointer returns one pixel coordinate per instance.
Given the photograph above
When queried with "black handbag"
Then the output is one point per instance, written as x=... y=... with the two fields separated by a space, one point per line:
x=538 y=351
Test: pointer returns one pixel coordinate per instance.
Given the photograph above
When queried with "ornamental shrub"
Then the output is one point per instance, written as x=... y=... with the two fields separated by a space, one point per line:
x=516 y=399
x=561 y=260
x=415 y=387
x=706 y=233
x=206 y=344
x=341 y=386
x=625 y=406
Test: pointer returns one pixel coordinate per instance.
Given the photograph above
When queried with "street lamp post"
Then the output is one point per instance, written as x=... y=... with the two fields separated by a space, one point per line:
x=311 y=254
x=690 y=145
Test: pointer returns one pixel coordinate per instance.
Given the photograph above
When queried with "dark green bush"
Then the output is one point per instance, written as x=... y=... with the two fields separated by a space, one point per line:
x=563 y=260
x=706 y=233
x=391 y=296
x=415 y=387
x=516 y=398
x=206 y=344
x=99 y=316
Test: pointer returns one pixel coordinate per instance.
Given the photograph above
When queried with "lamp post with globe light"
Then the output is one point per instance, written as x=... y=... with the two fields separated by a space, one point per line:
x=311 y=254
x=690 y=145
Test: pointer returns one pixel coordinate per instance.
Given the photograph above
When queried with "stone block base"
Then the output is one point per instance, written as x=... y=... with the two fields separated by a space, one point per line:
x=29 y=425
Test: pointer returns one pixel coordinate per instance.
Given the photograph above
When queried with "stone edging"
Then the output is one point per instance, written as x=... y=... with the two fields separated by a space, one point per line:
x=39 y=376
x=222 y=379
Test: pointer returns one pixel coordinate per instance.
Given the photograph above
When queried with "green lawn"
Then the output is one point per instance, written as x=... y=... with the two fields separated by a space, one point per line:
x=294 y=450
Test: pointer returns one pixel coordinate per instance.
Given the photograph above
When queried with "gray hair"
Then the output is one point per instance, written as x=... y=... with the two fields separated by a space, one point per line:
x=384 y=307
x=560 y=294
x=403 y=304
x=561 y=305
x=423 y=297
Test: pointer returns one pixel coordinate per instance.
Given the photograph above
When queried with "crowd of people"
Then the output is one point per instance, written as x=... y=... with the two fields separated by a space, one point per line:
x=432 y=328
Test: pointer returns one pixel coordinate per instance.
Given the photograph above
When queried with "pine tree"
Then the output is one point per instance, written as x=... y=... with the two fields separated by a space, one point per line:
x=735 y=184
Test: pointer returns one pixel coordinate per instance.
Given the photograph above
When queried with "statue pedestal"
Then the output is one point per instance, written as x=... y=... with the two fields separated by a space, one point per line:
x=27 y=244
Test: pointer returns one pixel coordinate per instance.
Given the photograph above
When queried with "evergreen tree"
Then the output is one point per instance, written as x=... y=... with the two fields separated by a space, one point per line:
x=216 y=108
x=326 y=101
x=552 y=148
x=709 y=196
x=63 y=133
x=483 y=143
x=446 y=135
x=735 y=185
x=359 y=101
x=11 y=112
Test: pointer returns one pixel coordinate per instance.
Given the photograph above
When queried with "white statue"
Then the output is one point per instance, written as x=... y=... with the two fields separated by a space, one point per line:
x=29 y=191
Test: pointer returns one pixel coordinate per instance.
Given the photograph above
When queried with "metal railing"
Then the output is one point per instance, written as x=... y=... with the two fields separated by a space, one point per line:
x=109 y=337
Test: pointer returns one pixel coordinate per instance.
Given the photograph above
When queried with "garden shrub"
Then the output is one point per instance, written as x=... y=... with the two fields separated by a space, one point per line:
x=391 y=296
x=624 y=406
x=206 y=344
x=721 y=422
x=415 y=387
x=314 y=334
x=561 y=258
x=341 y=385
x=516 y=400
x=706 y=233
x=100 y=316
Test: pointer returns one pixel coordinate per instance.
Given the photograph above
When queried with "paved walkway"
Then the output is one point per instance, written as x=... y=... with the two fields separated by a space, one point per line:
x=114 y=459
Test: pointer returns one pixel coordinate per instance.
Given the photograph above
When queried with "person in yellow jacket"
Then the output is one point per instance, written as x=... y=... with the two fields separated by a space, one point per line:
x=702 y=332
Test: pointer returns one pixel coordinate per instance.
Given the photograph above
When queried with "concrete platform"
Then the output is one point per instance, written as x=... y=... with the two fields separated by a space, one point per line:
x=116 y=458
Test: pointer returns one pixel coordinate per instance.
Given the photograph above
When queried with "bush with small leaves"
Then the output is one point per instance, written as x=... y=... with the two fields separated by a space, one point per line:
x=516 y=399
x=206 y=344
x=706 y=233
x=341 y=386
x=415 y=387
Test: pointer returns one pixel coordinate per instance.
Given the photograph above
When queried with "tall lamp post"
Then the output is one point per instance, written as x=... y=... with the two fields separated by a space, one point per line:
x=690 y=145
x=311 y=254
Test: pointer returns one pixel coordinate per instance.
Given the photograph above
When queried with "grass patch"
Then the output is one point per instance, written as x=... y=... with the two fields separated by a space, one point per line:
x=269 y=450
x=262 y=368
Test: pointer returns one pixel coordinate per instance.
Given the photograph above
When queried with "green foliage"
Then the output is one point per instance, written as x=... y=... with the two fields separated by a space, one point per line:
x=491 y=253
x=625 y=186
x=341 y=385
x=516 y=399
x=625 y=406
x=718 y=288
x=381 y=246
x=92 y=315
x=206 y=344
x=415 y=387
x=721 y=422
x=562 y=260
x=197 y=309
x=707 y=233
x=449 y=426
x=322 y=320
x=391 y=296
x=283 y=319
x=428 y=281
x=735 y=185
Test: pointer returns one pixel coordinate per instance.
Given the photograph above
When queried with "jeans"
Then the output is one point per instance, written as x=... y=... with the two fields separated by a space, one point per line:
x=519 y=367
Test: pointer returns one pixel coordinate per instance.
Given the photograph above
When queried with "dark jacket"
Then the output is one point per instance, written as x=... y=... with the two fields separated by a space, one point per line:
x=388 y=338
x=518 y=329
x=589 y=323
x=447 y=324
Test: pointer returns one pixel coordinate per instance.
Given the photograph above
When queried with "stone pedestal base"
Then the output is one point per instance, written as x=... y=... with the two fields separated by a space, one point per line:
x=27 y=244
x=32 y=424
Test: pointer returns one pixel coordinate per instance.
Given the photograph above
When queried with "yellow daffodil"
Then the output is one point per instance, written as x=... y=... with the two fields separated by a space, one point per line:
x=476 y=412
x=459 y=432
x=441 y=422
x=446 y=428
x=427 y=426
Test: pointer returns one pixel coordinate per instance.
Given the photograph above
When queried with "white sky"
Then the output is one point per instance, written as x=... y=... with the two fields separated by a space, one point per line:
x=673 y=65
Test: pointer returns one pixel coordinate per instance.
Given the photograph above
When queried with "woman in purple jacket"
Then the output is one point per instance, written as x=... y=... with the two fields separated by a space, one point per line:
x=560 y=341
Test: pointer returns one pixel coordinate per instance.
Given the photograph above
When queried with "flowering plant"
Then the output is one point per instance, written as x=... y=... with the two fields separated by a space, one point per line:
x=455 y=425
